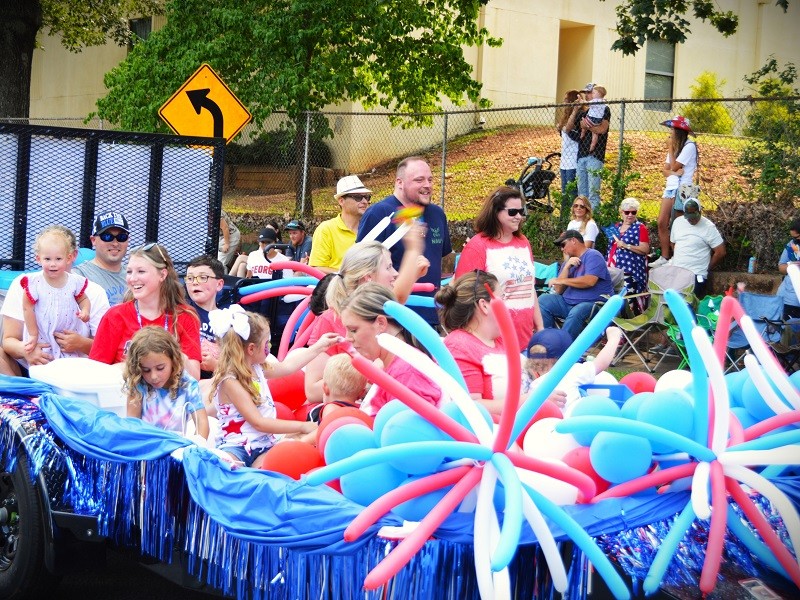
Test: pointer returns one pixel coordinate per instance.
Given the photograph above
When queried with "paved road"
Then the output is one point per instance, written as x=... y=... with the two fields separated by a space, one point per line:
x=123 y=578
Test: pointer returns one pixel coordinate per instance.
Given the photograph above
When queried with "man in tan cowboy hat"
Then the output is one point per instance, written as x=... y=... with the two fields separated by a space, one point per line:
x=333 y=237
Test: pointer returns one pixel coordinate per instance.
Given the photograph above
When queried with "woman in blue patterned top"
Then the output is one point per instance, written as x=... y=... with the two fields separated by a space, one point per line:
x=630 y=244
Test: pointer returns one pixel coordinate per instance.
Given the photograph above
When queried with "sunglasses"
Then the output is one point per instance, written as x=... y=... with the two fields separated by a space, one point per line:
x=107 y=236
x=150 y=246
x=630 y=212
x=360 y=197
x=513 y=212
x=477 y=287
x=198 y=278
x=583 y=206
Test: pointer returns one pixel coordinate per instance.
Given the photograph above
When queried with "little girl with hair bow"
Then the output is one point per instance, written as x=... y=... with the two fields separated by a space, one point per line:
x=245 y=409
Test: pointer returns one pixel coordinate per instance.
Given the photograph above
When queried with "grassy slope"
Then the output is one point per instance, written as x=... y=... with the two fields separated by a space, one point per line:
x=480 y=161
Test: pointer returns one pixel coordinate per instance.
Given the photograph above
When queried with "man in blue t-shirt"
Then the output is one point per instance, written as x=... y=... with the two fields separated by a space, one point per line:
x=583 y=280
x=412 y=187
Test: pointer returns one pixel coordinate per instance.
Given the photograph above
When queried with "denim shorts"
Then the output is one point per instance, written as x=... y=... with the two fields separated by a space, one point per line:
x=677 y=203
x=241 y=453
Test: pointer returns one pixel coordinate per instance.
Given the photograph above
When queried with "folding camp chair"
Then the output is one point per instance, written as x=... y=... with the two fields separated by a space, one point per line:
x=767 y=314
x=637 y=331
x=782 y=336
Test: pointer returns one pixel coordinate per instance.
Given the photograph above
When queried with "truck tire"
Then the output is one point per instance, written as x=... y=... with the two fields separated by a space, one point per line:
x=22 y=543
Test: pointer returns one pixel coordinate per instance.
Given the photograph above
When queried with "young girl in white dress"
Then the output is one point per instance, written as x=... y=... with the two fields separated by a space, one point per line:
x=245 y=408
x=54 y=299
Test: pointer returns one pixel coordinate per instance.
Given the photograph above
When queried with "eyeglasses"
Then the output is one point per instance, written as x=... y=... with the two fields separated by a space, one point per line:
x=360 y=197
x=513 y=212
x=630 y=212
x=583 y=206
x=198 y=278
x=107 y=236
x=564 y=243
x=150 y=246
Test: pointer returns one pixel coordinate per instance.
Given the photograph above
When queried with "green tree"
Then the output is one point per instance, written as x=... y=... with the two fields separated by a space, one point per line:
x=772 y=158
x=708 y=117
x=79 y=24
x=642 y=20
x=304 y=55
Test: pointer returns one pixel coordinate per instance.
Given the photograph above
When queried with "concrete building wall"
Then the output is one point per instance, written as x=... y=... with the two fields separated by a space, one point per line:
x=549 y=47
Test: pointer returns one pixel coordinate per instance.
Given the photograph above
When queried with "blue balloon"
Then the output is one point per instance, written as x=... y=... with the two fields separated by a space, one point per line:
x=452 y=410
x=619 y=457
x=631 y=407
x=406 y=427
x=278 y=283
x=671 y=409
x=735 y=382
x=754 y=402
x=418 y=508
x=386 y=412
x=745 y=418
x=592 y=406
x=667 y=550
x=795 y=379
x=366 y=485
x=348 y=439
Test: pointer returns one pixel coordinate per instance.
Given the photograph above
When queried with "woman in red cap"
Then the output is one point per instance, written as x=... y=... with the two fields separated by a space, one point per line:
x=679 y=169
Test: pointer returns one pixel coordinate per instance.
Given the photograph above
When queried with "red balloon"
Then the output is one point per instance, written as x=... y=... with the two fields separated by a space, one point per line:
x=289 y=390
x=547 y=409
x=639 y=381
x=301 y=414
x=579 y=459
x=343 y=411
x=292 y=458
x=283 y=412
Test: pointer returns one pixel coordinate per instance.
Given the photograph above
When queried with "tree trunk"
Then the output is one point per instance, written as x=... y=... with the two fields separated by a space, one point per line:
x=301 y=170
x=20 y=20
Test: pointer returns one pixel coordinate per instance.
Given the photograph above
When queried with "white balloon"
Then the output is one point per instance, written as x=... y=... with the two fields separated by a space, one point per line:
x=543 y=441
x=674 y=380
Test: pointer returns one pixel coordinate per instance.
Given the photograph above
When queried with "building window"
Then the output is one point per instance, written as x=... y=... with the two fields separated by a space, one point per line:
x=659 y=74
x=140 y=28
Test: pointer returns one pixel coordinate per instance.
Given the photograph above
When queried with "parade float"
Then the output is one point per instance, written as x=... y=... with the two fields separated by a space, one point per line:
x=434 y=503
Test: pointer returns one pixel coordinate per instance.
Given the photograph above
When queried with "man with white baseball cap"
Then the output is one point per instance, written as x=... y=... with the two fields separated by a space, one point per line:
x=333 y=237
x=696 y=244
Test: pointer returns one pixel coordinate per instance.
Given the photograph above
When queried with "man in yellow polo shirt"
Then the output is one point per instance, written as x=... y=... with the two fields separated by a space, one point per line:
x=333 y=237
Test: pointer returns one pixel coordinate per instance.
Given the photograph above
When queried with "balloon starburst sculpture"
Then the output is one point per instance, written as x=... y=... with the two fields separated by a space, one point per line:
x=719 y=458
x=489 y=456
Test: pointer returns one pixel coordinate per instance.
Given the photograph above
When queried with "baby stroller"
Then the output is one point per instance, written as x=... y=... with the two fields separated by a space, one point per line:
x=534 y=182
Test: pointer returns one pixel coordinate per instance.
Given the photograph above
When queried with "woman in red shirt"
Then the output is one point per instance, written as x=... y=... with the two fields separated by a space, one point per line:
x=154 y=297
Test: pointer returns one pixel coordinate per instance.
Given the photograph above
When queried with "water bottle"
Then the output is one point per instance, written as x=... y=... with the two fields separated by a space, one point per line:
x=751 y=265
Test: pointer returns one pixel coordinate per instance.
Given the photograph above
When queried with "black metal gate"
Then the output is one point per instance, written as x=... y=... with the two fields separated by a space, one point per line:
x=168 y=187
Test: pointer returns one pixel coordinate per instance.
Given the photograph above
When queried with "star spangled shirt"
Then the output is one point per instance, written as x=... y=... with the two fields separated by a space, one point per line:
x=235 y=430
x=512 y=264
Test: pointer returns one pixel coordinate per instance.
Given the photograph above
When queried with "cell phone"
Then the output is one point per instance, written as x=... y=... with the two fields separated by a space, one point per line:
x=758 y=589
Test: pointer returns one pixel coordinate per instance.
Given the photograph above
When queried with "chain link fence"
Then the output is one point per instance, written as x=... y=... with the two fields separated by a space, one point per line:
x=280 y=167
x=264 y=160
